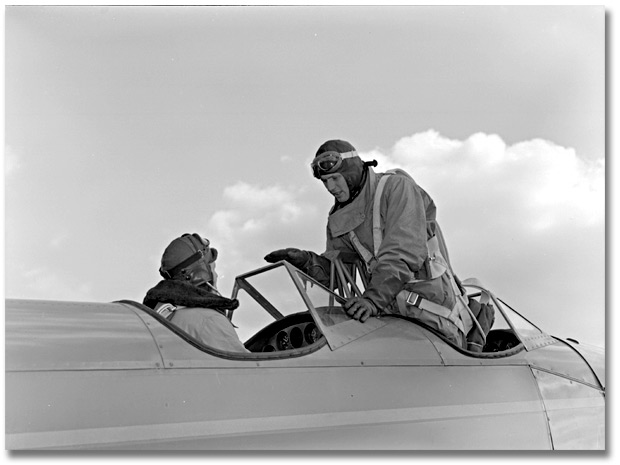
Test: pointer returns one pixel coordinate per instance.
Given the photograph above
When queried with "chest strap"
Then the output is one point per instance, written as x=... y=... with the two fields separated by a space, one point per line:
x=377 y=234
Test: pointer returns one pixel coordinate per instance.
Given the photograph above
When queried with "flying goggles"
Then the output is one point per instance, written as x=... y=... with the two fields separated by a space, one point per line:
x=329 y=162
x=203 y=251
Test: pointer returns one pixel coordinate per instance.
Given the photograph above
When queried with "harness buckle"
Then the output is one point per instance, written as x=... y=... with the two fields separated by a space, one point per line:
x=166 y=311
x=416 y=300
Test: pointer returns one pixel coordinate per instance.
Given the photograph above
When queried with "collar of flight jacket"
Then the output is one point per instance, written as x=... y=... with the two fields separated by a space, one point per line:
x=184 y=294
x=350 y=216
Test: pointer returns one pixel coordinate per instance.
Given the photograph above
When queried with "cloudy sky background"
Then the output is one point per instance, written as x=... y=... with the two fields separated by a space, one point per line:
x=128 y=126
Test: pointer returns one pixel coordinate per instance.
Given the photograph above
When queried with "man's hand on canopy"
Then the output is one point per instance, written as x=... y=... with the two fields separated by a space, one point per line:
x=360 y=308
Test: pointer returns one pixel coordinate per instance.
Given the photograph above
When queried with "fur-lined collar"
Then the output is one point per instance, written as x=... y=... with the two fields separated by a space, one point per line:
x=187 y=295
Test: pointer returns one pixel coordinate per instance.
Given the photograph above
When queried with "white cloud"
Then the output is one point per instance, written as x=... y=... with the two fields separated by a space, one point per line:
x=256 y=208
x=528 y=184
x=259 y=219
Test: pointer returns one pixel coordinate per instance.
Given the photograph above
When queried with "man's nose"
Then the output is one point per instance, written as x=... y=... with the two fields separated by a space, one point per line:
x=330 y=184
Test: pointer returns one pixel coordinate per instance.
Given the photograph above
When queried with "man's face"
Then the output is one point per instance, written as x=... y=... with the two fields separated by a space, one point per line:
x=337 y=186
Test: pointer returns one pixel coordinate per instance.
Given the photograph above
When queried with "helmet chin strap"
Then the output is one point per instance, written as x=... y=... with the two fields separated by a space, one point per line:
x=213 y=288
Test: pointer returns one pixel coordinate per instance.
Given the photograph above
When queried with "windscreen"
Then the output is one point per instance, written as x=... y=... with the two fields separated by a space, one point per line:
x=274 y=293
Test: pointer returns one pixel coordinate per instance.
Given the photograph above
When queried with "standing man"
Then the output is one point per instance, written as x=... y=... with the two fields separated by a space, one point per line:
x=404 y=252
x=188 y=296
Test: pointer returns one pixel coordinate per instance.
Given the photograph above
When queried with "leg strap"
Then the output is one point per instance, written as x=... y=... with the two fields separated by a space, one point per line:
x=424 y=304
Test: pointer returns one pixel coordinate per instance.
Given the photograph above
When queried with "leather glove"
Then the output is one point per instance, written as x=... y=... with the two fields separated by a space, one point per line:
x=295 y=257
x=361 y=309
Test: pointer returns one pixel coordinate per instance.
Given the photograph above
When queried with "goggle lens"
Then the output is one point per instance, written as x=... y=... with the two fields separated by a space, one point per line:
x=326 y=165
x=329 y=162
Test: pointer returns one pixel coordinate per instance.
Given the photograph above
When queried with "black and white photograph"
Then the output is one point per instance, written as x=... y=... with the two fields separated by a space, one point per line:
x=307 y=227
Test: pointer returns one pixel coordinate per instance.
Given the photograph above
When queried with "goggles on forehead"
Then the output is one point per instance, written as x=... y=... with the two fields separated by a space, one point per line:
x=329 y=162
x=203 y=251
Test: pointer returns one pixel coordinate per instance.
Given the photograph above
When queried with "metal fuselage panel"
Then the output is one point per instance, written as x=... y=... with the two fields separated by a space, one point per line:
x=432 y=407
x=563 y=360
x=595 y=357
x=576 y=412
x=44 y=335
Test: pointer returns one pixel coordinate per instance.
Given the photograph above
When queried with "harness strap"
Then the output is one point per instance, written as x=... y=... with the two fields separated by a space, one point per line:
x=462 y=306
x=166 y=310
x=363 y=251
x=468 y=317
x=377 y=233
x=424 y=304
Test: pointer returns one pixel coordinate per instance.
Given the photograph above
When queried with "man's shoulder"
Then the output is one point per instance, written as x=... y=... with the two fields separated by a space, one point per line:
x=396 y=173
x=397 y=178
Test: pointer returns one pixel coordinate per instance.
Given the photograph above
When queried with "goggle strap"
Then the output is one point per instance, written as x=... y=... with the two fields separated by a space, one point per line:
x=351 y=154
x=185 y=263
x=202 y=247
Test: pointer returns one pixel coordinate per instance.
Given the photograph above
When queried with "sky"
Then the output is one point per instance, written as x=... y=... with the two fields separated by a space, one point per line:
x=126 y=127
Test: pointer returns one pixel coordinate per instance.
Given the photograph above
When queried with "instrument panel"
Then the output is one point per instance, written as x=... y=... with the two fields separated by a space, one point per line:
x=293 y=337
x=294 y=331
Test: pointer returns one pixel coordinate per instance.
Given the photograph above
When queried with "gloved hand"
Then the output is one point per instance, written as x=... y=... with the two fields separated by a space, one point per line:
x=359 y=308
x=295 y=257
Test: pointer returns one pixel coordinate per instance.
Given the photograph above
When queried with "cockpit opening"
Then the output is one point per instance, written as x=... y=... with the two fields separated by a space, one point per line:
x=284 y=312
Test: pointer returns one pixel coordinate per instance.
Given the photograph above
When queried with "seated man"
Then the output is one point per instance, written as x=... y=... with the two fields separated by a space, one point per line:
x=188 y=296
